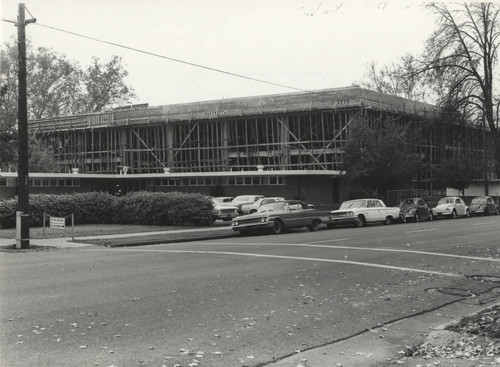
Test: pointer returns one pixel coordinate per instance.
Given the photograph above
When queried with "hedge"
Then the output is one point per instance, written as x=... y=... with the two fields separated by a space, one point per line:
x=150 y=208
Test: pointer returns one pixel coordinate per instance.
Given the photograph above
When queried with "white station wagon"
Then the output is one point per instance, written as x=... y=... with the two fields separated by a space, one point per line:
x=362 y=211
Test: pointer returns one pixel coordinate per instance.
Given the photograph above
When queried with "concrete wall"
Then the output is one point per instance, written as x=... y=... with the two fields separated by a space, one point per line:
x=477 y=189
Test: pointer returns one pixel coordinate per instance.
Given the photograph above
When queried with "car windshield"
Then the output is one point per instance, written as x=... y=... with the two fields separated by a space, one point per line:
x=221 y=200
x=446 y=201
x=242 y=198
x=407 y=202
x=478 y=201
x=272 y=206
x=353 y=204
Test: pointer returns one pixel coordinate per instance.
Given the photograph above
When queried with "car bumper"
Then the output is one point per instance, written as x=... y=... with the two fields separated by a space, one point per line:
x=407 y=216
x=477 y=211
x=224 y=216
x=442 y=214
x=343 y=220
x=254 y=226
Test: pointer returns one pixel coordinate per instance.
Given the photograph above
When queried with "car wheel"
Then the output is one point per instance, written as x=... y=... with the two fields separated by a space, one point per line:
x=453 y=214
x=388 y=220
x=467 y=214
x=314 y=226
x=278 y=227
x=360 y=222
x=417 y=218
x=253 y=211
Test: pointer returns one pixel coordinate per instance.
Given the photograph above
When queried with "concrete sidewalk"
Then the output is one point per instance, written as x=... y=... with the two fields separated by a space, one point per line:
x=388 y=345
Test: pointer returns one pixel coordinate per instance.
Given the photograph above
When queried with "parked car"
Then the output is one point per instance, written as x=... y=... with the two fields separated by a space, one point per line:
x=451 y=207
x=223 y=209
x=484 y=205
x=222 y=199
x=362 y=211
x=241 y=200
x=415 y=209
x=280 y=216
x=252 y=208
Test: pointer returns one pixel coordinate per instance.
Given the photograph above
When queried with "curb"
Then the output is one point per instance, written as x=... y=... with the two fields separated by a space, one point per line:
x=130 y=242
x=376 y=350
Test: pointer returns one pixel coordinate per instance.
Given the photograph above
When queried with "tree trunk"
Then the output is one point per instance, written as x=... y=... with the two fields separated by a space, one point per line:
x=496 y=149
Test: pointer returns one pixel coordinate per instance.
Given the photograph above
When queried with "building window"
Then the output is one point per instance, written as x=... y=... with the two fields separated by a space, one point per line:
x=68 y=182
x=224 y=181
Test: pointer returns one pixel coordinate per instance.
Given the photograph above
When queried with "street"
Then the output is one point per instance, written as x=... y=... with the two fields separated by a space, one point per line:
x=242 y=301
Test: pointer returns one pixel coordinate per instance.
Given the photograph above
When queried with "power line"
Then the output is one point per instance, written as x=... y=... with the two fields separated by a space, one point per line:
x=176 y=60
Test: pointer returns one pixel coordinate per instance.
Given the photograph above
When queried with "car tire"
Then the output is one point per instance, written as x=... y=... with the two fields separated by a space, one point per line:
x=278 y=227
x=388 y=220
x=467 y=214
x=454 y=214
x=252 y=211
x=360 y=222
x=314 y=226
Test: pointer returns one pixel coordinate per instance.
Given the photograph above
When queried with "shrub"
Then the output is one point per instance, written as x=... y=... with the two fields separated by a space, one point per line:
x=160 y=208
x=149 y=208
x=8 y=213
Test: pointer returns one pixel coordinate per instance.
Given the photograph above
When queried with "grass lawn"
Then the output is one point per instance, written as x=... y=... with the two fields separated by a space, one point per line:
x=83 y=230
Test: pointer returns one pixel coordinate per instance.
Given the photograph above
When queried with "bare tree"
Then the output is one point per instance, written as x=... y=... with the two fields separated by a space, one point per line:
x=402 y=79
x=463 y=53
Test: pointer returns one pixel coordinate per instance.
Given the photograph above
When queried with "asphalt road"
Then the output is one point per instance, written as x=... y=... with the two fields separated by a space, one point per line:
x=243 y=301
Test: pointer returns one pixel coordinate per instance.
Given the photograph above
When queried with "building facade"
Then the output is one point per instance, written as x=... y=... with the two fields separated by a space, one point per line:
x=285 y=144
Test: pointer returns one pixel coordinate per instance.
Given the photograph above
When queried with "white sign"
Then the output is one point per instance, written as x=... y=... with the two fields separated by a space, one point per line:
x=57 y=223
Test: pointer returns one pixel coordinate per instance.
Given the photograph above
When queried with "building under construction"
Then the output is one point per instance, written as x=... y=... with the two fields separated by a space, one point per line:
x=285 y=144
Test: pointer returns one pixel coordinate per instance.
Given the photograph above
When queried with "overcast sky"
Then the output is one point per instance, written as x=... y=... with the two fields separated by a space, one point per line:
x=314 y=44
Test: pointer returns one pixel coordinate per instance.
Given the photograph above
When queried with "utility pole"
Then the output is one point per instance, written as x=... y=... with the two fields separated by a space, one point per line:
x=23 y=204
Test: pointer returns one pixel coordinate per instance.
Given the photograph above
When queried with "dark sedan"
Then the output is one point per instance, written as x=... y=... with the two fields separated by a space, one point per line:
x=280 y=216
x=415 y=209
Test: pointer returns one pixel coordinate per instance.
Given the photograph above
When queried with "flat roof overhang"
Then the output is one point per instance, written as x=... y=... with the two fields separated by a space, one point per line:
x=181 y=174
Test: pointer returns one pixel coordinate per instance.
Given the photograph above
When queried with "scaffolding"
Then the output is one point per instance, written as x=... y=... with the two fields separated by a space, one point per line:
x=298 y=131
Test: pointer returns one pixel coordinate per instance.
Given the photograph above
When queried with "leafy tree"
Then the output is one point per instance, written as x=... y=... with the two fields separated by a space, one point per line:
x=380 y=157
x=56 y=87
x=53 y=84
x=41 y=158
x=104 y=85
x=458 y=172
